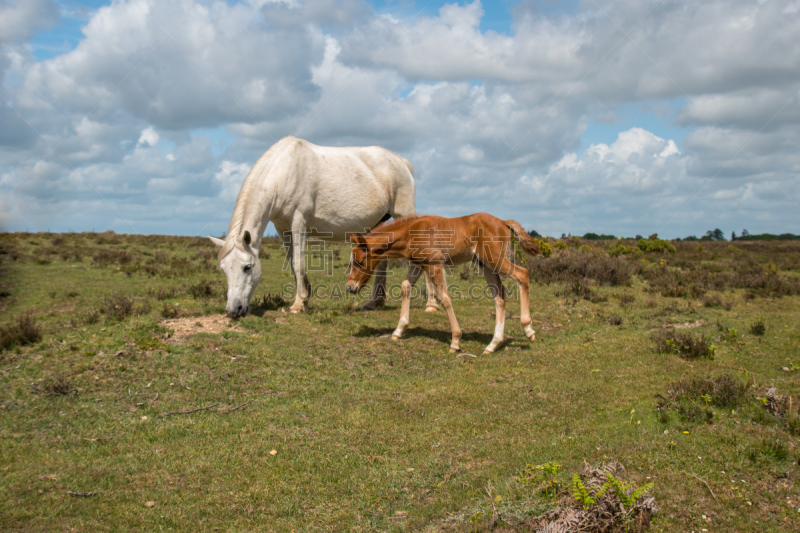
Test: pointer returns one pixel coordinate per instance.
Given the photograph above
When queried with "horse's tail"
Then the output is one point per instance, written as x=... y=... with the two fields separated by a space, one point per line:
x=409 y=165
x=526 y=242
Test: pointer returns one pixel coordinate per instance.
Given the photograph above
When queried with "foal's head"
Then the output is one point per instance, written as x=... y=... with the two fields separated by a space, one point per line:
x=363 y=263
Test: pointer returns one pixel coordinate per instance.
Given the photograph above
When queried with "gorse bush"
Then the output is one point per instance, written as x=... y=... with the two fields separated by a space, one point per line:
x=653 y=244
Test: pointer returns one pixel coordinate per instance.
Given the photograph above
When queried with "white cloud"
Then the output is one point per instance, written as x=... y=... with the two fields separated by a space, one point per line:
x=491 y=122
x=149 y=137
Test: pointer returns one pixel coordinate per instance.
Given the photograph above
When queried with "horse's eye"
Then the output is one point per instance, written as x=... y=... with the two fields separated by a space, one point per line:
x=247 y=268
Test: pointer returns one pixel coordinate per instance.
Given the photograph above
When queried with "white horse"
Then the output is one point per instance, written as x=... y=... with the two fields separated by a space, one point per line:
x=299 y=187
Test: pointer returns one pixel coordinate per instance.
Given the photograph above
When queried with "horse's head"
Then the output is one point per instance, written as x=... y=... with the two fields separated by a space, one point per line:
x=363 y=263
x=243 y=272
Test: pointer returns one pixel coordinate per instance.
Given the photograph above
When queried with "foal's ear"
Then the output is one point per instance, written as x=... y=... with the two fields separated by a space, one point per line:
x=246 y=238
x=354 y=238
x=218 y=242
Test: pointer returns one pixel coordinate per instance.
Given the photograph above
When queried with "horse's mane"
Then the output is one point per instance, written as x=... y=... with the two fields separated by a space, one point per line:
x=237 y=220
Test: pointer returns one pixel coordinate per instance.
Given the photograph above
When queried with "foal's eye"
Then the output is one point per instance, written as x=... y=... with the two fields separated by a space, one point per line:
x=247 y=268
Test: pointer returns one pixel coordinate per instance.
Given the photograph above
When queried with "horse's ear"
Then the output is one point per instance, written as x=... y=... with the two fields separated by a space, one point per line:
x=354 y=238
x=246 y=238
x=218 y=242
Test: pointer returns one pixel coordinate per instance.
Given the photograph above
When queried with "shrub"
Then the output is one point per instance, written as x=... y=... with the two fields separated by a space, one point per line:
x=57 y=385
x=544 y=246
x=685 y=344
x=117 y=306
x=758 y=328
x=20 y=332
x=619 y=249
x=202 y=289
x=567 y=267
x=626 y=299
x=269 y=302
x=110 y=257
x=654 y=244
x=169 y=311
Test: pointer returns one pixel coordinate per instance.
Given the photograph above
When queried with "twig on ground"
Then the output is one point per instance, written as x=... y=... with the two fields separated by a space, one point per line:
x=83 y=494
x=466 y=355
x=164 y=415
x=703 y=481
x=239 y=406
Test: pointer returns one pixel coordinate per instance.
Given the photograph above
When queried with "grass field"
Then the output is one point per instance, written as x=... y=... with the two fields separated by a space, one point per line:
x=320 y=422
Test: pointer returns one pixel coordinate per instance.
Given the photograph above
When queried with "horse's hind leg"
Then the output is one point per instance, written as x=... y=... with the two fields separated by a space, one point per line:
x=378 y=297
x=499 y=294
x=408 y=285
x=441 y=288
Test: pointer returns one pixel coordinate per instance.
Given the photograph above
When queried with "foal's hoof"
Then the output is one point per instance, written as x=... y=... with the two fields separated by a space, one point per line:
x=395 y=337
x=532 y=337
x=455 y=350
x=296 y=309
x=431 y=308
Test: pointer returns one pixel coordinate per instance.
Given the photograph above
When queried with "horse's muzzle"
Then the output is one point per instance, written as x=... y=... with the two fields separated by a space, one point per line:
x=239 y=312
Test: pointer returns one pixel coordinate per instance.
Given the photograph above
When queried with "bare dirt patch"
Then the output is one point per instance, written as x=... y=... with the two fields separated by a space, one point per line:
x=188 y=326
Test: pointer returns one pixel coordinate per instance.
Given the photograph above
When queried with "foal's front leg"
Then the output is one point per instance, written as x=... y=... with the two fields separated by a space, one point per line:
x=437 y=273
x=408 y=285
x=499 y=293
x=430 y=306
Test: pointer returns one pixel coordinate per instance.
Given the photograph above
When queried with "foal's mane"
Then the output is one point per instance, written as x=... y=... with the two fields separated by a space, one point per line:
x=390 y=224
x=237 y=220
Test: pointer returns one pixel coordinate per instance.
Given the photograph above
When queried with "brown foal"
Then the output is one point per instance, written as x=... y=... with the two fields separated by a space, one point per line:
x=431 y=243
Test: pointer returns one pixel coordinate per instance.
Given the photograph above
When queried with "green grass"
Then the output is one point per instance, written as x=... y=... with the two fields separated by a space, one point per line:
x=370 y=434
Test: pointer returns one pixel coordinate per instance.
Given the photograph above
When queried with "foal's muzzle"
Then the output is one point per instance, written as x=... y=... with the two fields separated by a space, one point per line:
x=352 y=288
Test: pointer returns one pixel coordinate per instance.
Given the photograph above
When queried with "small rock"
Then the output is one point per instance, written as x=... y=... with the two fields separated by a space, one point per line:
x=150 y=504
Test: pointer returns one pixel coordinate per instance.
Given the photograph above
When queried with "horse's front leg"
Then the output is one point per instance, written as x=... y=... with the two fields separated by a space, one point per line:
x=378 y=298
x=299 y=265
x=408 y=286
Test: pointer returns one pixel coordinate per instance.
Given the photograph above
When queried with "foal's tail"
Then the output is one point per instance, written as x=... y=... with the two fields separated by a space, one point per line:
x=526 y=242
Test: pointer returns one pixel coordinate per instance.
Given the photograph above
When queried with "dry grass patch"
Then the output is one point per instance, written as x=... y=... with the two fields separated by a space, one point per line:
x=188 y=326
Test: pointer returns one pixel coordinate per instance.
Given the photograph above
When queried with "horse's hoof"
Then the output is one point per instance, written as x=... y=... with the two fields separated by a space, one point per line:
x=532 y=337
x=487 y=351
x=431 y=309
x=395 y=337
x=454 y=350
x=296 y=310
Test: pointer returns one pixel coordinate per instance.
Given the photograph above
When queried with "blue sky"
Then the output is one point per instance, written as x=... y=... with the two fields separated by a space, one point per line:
x=570 y=117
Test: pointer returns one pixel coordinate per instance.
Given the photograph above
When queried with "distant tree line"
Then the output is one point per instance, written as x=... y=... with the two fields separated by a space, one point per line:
x=711 y=235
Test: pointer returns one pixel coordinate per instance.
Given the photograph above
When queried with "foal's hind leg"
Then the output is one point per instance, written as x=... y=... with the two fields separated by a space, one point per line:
x=408 y=285
x=520 y=275
x=499 y=294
